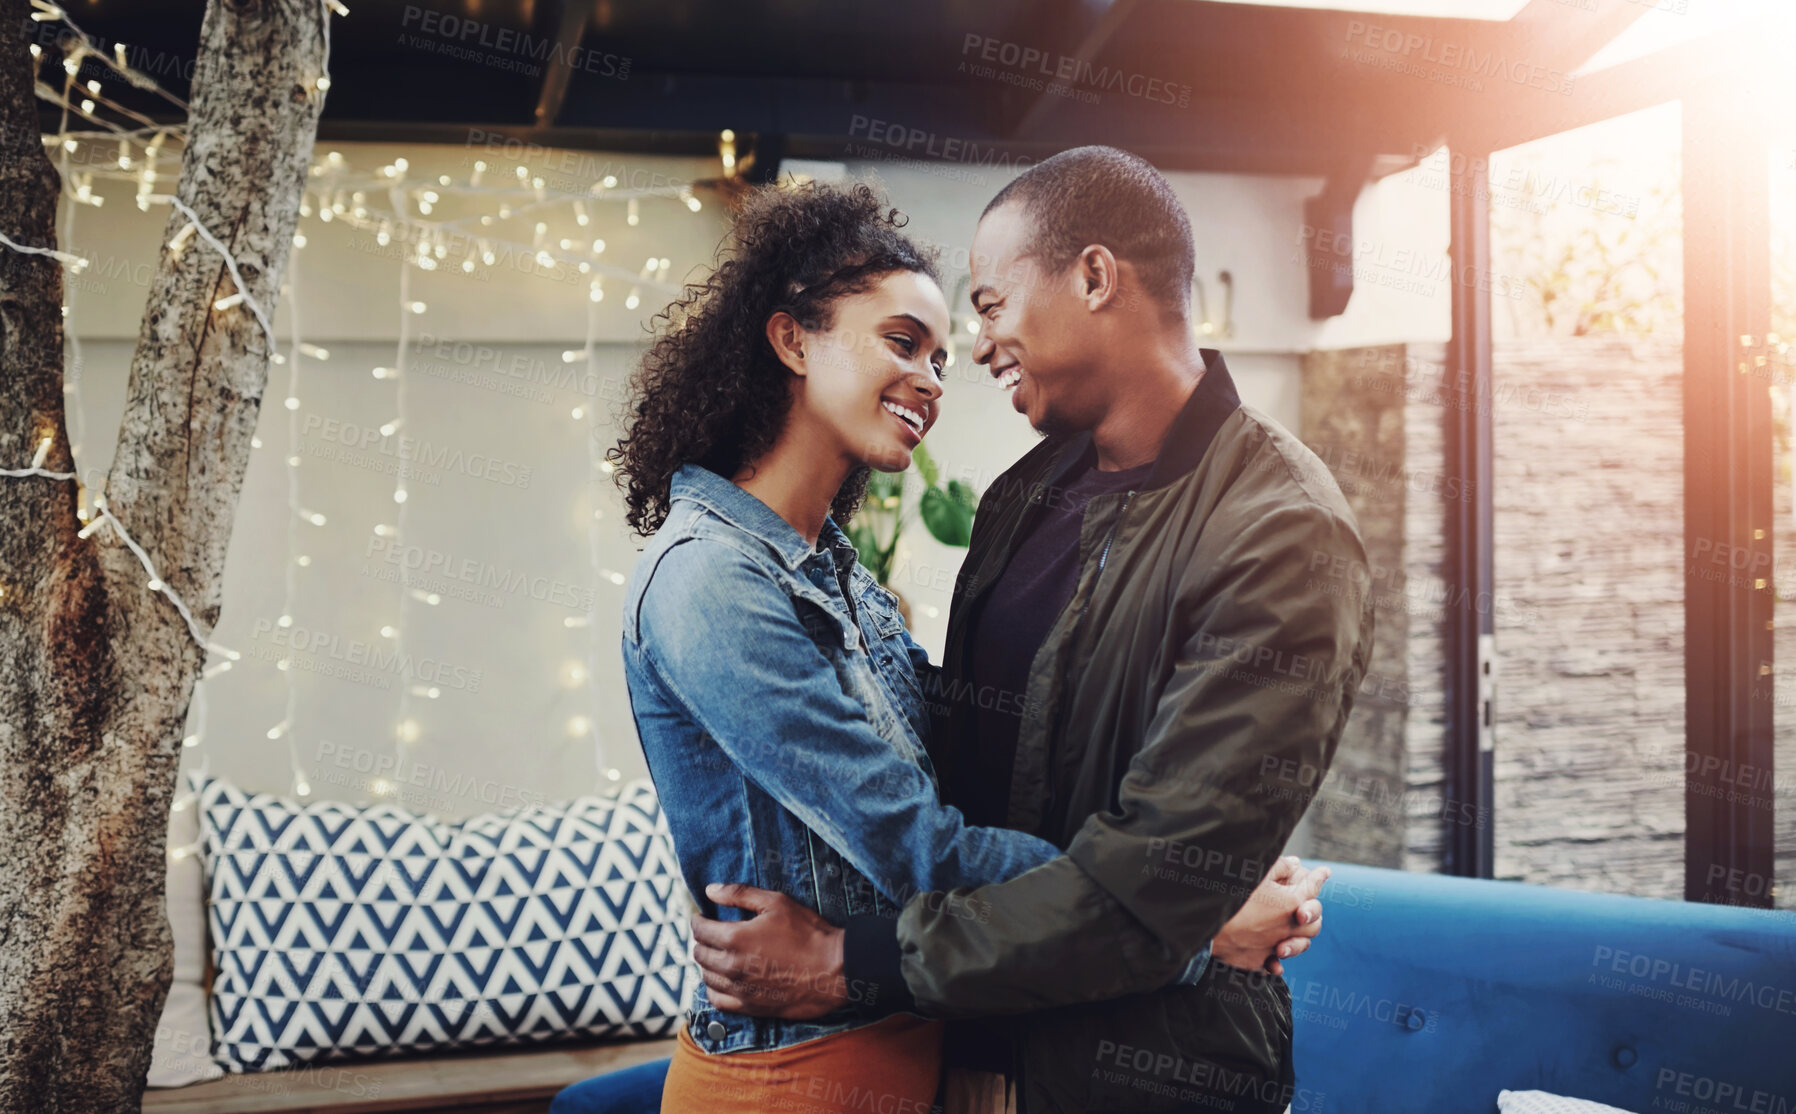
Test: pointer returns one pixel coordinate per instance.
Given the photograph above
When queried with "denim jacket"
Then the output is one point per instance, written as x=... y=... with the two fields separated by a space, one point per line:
x=776 y=695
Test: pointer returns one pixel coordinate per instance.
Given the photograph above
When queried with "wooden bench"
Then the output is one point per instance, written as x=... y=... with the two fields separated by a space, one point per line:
x=501 y=1081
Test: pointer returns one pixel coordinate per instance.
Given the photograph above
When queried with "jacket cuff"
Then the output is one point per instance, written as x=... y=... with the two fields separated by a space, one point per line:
x=871 y=964
x=1199 y=966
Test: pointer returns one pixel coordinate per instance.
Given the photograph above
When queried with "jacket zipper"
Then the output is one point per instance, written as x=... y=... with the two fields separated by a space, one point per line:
x=1104 y=556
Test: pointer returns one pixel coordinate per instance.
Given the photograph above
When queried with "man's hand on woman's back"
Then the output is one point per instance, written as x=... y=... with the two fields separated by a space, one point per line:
x=785 y=961
x=1281 y=917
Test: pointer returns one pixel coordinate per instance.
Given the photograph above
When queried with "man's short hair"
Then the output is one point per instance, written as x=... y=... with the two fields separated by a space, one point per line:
x=1102 y=195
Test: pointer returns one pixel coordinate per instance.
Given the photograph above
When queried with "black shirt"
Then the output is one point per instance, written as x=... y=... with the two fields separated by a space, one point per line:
x=1011 y=625
x=1006 y=633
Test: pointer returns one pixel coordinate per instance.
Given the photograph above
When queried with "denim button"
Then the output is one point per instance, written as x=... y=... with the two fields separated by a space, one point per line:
x=715 y=1030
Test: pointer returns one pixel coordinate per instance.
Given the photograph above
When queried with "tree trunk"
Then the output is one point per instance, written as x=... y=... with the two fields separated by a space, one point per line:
x=96 y=670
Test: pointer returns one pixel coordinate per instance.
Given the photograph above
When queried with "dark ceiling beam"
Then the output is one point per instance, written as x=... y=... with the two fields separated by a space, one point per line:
x=619 y=140
x=1721 y=60
x=1246 y=148
x=1333 y=91
x=1550 y=34
x=1398 y=78
x=934 y=123
x=1248 y=52
x=1315 y=102
x=559 y=69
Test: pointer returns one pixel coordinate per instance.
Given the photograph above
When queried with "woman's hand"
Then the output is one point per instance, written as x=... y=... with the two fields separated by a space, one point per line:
x=1281 y=917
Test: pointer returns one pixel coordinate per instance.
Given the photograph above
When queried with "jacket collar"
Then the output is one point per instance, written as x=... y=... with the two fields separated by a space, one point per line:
x=698 y=484
x=1187 y=440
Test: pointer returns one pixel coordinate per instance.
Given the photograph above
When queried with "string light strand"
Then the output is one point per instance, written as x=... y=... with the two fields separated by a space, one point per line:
x=68 y=258
x=242 y=295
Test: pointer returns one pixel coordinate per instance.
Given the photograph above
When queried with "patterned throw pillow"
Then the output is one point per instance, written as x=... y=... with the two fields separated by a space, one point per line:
x=340 y=931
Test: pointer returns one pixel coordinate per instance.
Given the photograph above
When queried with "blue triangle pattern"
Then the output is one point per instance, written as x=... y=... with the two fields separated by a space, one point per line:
x=331 y=926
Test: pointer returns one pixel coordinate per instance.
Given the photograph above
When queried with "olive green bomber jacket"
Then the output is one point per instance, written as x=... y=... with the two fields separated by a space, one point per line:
x=1180 y=714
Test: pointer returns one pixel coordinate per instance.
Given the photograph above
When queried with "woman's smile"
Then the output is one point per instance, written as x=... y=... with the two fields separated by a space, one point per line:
x=914 y=421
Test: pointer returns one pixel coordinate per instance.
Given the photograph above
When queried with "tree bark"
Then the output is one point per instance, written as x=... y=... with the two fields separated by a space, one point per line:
x=96 y=671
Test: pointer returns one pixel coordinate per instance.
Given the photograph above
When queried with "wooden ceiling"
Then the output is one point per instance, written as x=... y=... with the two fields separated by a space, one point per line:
x=1188 y=84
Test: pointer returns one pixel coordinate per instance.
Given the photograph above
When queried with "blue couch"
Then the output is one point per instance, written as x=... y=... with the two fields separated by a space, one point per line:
x=1428 y=995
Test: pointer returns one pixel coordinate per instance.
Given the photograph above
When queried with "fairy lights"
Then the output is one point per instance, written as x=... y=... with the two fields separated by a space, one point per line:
x=576 y=674
x=144 y=170
x=297 y=352
x=406 y=729
x=74 y=262
x=431 y=218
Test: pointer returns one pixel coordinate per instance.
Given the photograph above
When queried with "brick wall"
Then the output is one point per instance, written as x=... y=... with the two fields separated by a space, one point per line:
x=1424 y=554
x=1358 y=431
x=1588 y=493
x=1590 y=563
x=1589 y=606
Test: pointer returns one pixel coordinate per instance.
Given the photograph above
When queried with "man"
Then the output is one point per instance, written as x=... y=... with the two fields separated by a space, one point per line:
x=1143 y=578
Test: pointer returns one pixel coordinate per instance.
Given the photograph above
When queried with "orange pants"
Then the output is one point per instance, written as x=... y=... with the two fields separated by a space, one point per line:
x=893 y=1065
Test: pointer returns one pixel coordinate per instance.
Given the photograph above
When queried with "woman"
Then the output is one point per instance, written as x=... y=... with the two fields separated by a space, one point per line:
x=774 y=687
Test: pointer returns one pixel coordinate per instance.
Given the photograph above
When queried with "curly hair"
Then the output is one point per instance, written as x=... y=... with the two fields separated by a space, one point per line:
x=710 y=390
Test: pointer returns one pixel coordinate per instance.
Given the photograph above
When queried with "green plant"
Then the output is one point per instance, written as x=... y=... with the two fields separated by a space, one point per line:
x=946 y=510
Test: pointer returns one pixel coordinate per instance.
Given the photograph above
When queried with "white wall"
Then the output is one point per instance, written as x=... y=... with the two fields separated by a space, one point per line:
x=497 y=390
